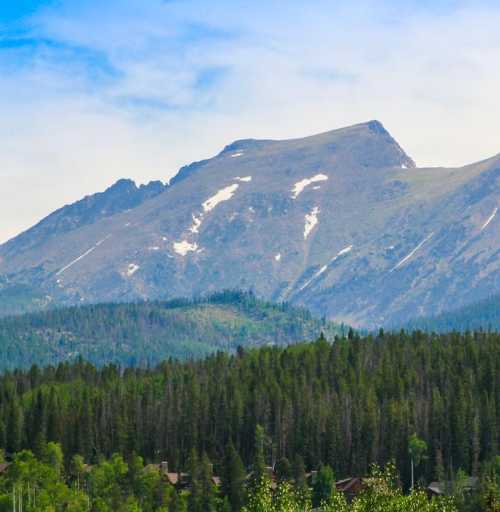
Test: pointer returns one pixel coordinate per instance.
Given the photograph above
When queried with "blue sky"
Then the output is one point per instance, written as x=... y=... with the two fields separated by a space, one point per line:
x=92 y=90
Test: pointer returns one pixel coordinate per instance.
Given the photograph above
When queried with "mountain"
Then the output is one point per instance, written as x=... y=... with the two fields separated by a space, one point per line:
x=484 y=315
x=23 y=295
x=122 y=196
x=342 y=222
x=147 y=333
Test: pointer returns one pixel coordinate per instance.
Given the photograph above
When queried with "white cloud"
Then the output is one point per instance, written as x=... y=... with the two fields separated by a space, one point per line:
x=129 y=89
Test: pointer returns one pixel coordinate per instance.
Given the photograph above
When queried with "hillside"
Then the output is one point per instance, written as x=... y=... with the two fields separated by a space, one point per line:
x=481 y=315
x=342 y=222
x=146 y=333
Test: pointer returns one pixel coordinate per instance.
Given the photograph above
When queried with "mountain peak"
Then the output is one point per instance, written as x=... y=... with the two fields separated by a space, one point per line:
x=123 y=184
x=366 y=144
x=377 y=129
x=246 y=144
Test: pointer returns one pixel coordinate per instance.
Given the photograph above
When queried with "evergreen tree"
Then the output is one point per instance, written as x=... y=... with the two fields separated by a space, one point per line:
x=299 y=473
x=14 y=427
x=259 y=464
x=195 y=502
x=284 y=469
x=234 y=476
x=323 y=486
x=208 y=492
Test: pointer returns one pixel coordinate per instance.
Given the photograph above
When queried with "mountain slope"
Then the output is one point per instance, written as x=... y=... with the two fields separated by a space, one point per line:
x=342 y=222
x=481 y=315
x=147 y=333
x=121 y=196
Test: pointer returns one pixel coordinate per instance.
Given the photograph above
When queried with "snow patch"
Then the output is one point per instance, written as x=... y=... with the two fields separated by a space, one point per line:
x=154 y=248
x=196 y=224
x=311 y=221
x=236 y=155
x=409 y=256
x=278 y=257
x=315 y=276
x=184 y=247
x=244 y=179
x=342 y=252
x=222 y=195
x=132 y=269
x=491 y=217
x=86 y=253
x=102 y=241
x=324 y=268
x=300 y=186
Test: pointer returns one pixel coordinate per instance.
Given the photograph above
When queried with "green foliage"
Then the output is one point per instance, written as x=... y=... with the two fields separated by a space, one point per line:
x=299 y=473
x=323 y=486
x=345 y=404
x=261 y=497
x=106 y=483
x=31 y=484
x=284 y=469
x=34 y=485
x=146 y=333
x=234 y=477
x=382 y=494
x=417 y=448
x=259 y=463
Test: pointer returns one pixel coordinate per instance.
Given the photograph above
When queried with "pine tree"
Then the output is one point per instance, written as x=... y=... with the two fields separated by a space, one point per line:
x=299 y=473
x=207 y=487
x=323 y=486
x=234 y=476
x=15 y=427
x=259 y=464
x=195 y=502
x=284 y=469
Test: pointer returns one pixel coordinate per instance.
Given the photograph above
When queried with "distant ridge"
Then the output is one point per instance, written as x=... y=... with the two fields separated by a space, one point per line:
x=146 y=333
x=483 y=315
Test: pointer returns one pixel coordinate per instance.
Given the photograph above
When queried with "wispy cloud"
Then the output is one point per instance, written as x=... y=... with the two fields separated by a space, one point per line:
x=92 y=91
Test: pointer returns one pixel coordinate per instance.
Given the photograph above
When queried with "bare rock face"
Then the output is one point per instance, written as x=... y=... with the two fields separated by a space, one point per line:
x=342 y=222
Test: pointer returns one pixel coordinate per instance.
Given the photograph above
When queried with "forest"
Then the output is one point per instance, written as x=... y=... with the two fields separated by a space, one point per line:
x=145 y=333
x=343 y=404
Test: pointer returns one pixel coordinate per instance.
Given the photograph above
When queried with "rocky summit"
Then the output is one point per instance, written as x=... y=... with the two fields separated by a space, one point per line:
x=342 y=222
